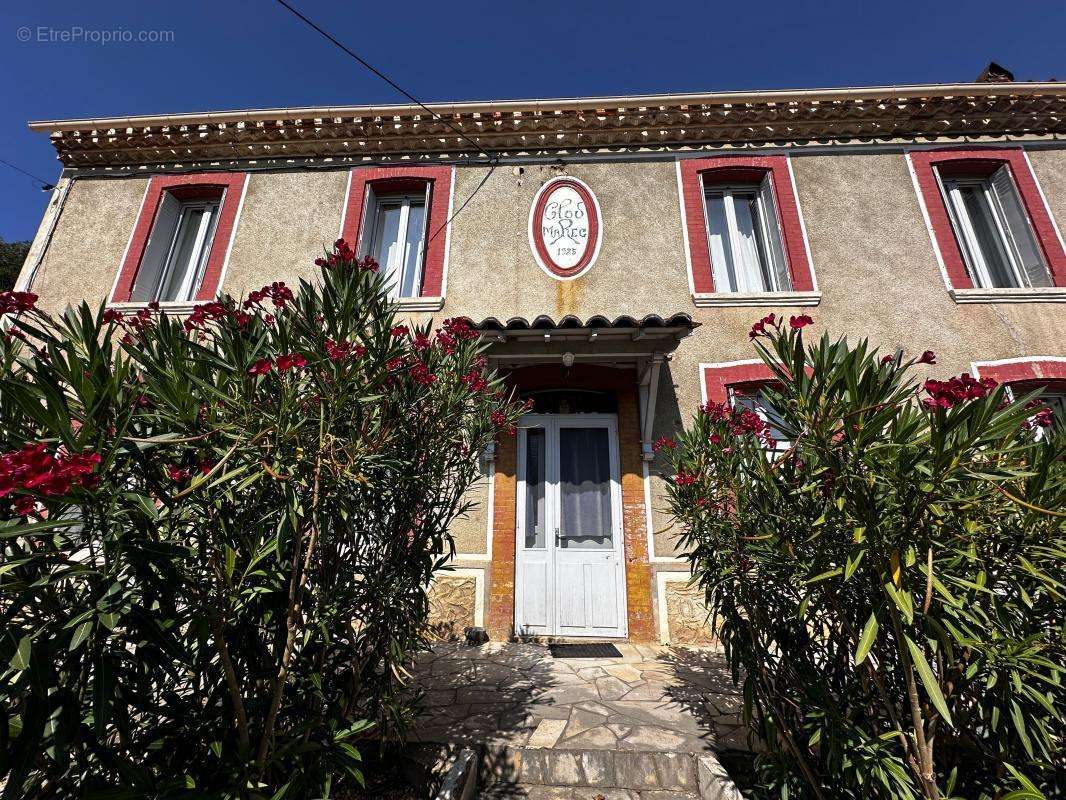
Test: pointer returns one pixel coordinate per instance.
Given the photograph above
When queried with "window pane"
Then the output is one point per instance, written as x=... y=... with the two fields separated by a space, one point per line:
x=410 y=286
x=585 y=488
x=776 y=263
x=718 y=243
x=755 y=402
x=749 y=259
x=190 y=245
x=536 y=518
x=987 y=236
x=156 y=253
x=386 y=245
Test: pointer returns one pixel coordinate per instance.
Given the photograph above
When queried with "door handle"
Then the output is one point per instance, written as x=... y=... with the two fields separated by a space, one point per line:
x=558 y=537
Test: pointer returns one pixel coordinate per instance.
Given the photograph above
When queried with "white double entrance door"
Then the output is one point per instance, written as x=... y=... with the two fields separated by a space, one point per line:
x=569 y=571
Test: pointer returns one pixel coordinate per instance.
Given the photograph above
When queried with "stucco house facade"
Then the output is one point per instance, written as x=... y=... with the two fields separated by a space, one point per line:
x=614 y=253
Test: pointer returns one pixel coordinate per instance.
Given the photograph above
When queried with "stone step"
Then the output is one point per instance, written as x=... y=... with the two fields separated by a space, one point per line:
x=646 y=775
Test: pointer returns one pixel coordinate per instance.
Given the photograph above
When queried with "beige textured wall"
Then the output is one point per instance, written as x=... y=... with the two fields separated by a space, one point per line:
x=641 y=264
x=90 y=238
x=287 y=220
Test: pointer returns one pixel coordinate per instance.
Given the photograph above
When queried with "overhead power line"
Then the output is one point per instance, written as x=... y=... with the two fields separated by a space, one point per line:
x=385 y=78
x=494 y=158
x=45 y=185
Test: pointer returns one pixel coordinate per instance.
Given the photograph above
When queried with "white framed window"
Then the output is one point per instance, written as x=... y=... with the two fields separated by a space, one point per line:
x=395 y=236
x=995 y=236
x=744 y=238
x=176 y=255
x=752 y=398
x=1053 y=397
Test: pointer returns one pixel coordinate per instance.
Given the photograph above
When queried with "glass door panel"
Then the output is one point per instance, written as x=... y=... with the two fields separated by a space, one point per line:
x=585 y=489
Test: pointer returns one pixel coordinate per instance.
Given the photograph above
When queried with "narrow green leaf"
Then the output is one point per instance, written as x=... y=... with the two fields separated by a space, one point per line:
x=866 y=640
x=21 y=659
x=929 y=681
x=80 y=635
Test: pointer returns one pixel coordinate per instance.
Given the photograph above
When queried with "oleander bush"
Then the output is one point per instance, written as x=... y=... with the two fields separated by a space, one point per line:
x=217 y=534
x=888 y=583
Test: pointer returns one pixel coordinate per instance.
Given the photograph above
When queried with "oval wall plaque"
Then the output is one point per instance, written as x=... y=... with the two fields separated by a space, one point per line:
x=564 y=227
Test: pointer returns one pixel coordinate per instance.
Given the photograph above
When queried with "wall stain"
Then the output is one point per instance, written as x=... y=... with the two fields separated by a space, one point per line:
x=568 y=296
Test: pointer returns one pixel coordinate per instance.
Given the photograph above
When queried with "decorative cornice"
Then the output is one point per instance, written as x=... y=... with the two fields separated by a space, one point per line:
x=367 y=133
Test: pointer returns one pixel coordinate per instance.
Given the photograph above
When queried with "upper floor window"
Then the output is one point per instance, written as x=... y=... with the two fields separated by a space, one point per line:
x=175 y=258
x=989 y=223
x=181 y=238
x=396 y=239
x=744 y=238
x=398 y=216
x=1020 y=376
x=743 y=232
x=997 y=241
x=750 y=396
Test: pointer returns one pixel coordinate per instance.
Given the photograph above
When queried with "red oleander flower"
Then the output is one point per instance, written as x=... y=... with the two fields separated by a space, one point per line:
x=154 y=305
x=421 y=374
x=888 y=359
x=498 y=418
x=33 y=469
x=928 y=357
x=802 y=321
x=394 y=364
x=460 y=328
x=474 y=380
x=261 y=367
x=16 y=302
x=664 y=441
x=421 y=342
x=399 y=330
x=177 y=474
x=205 y=465
x=291 y=361
x=684 y=478
x=949 y=393
x=112 y=315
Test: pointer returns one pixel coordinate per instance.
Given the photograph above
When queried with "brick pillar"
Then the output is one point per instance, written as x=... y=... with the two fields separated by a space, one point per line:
x=634 y=518
x=499 y=617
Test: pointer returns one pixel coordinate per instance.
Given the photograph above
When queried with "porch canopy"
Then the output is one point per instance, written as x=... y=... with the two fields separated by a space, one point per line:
x=625 y=343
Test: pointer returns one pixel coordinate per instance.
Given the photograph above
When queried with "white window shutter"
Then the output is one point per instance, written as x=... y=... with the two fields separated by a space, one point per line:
x=368 y=223
x=160 y=241
x=774 y=243
x=1024 y=241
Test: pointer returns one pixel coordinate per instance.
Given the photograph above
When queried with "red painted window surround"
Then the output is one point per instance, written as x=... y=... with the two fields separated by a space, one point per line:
x=696 y=171
x=1037 y=370
x=746 y=377
x=390 y=179
x=978 y=162
x=228 y=185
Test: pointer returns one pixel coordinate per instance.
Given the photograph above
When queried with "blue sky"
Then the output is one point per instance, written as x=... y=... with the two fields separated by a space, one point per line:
x=253 y=53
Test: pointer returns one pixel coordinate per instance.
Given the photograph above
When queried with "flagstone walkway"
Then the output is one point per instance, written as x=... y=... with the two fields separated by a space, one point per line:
x=651 y=704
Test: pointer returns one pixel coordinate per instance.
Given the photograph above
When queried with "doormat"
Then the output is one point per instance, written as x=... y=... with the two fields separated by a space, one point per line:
x=592 y=650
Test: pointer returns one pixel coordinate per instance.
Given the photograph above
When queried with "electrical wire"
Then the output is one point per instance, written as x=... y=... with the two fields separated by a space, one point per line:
x=385 y=78
x=45 y=185
x=494 y=157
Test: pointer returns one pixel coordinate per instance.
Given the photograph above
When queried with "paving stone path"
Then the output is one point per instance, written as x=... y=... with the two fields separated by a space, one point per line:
x=517 y=700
